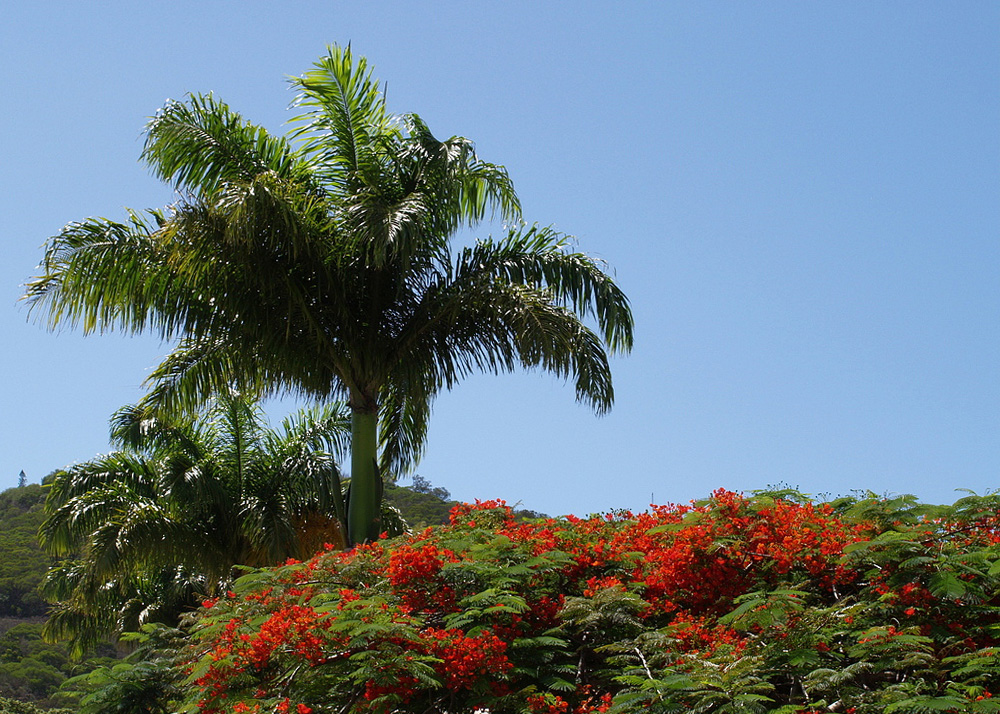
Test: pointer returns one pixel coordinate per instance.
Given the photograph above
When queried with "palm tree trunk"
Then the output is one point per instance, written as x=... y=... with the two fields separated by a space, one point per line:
x=363 y=508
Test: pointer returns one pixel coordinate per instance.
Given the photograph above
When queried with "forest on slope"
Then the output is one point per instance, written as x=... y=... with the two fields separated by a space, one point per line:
x=31 y=670
x=23 y=564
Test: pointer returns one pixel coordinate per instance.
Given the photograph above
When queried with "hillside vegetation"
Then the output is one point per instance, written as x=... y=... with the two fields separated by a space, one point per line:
x=423 y=504
x=31 y=670
x=22 y=562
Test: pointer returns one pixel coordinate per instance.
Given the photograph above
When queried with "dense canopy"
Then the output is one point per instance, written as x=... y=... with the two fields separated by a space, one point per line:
x=145 y=532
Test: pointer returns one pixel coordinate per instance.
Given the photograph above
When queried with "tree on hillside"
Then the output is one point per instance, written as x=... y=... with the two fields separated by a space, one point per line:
x=150 y=529
x=320 y=264
x=421 y=485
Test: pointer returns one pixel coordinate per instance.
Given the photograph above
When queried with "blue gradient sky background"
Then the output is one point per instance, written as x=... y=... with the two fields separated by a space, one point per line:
x=802 y=201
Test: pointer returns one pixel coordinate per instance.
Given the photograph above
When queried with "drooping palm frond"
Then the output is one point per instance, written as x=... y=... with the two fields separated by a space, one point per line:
x=84 y=497
x=501 y=327
x=199 y=367
x=84 y=614
x=464 y=189
x=405 y=413
x=540 y=257
x=139 y=430
x=149 y=535
x=99 y=274
x=517 y=303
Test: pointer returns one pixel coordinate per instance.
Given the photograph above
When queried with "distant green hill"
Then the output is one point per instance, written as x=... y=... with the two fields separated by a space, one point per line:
x=30 y=670
x=423 y=505
x=15 y=706
x=22 y=562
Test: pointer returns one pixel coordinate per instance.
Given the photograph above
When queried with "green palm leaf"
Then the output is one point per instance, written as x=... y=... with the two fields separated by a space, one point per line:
x=201 y=146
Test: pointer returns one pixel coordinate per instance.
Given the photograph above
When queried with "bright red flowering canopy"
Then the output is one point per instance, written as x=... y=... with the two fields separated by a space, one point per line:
x=734 y=604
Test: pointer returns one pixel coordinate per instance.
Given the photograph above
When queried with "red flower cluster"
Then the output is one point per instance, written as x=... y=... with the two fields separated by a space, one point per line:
x=296 y=627
x=467 y=659
x=414 y=570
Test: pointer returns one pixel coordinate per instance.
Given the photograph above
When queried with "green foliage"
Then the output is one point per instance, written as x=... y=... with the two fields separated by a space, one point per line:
x=29 y=678
x=32 y=669
x=150 y=530
x=142 y=684
x=23 y=563
x=16 y=706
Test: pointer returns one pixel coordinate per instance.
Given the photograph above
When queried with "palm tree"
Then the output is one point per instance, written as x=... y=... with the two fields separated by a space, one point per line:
x=146 y=530
x=321 y=264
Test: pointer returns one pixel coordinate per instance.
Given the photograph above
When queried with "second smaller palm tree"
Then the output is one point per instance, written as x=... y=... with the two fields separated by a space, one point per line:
x=146 y=531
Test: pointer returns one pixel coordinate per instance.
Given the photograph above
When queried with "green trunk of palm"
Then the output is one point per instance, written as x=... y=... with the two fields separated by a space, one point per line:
x=364 y=508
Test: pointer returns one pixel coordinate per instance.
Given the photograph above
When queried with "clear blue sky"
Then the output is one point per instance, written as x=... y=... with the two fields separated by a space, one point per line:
x=802 y=201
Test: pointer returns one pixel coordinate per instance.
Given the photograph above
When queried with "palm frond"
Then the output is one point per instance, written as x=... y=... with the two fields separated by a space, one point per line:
x=200 y=145
x=479 y=319
x=325 y=427
x=345 y=119
x=539 y=256
x=405 y=413
x=90 y=495
x=100 y=274
x=185 y=500
x=465 y=188
x=194 y=369
x=139 y=430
